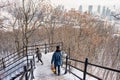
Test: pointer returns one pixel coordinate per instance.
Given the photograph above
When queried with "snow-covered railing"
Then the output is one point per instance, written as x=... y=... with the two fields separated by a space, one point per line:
x=14 y=63
x=13 y=69
x=47 y=46
x=86 y=63
x=4 y=62
x=27 y=73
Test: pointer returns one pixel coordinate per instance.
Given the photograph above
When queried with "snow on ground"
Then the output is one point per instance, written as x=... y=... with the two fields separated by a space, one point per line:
x=43 y=72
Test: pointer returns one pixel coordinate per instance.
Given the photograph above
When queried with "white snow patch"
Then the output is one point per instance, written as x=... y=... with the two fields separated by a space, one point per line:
x=43 y=72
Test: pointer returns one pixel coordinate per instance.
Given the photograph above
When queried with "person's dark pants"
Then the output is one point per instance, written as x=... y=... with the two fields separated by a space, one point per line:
x=57 y=68
x=39 y=59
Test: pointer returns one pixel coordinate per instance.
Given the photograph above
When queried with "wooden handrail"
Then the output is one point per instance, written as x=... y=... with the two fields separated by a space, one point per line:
x=85 y=68
x=17 y=58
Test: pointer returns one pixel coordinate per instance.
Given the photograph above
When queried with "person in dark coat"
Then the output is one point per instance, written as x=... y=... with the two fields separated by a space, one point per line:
x=39 y=55
x=56 y=59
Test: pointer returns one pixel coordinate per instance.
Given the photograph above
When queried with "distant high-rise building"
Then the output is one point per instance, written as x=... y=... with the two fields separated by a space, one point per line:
x=61 y=7
x=90 y=9
x=103 y=11
x=107 y=12
x=98 y=9
x=80 y=8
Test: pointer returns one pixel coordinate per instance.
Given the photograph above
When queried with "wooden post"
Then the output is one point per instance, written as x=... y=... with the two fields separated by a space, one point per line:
x=45 y=48
x=61 y=45
x=69 y=52
x=25 y=70
x=66 y=64
x=34 y=61
x=32 y=76
x=85 y=69
x=3 y=63
x=27 y=55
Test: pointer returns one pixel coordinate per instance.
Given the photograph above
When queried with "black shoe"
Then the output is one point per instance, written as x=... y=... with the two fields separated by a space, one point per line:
x=54 y=72
x=42 y=64
x=58 y=74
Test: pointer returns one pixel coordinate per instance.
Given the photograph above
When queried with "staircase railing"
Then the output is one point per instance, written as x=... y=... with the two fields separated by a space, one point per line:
x=19 y=61
x=86 y=63
x=7 y=59
x=16 y=68
x=13 y=63
x=27 y=73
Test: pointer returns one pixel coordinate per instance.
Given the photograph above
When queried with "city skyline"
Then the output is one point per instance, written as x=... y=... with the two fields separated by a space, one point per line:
x=68 y=4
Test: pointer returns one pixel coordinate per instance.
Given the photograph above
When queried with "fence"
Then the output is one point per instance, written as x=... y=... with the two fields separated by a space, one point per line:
x=26 y=69
x=27 y=73
x=86 y=63
x=21 y=62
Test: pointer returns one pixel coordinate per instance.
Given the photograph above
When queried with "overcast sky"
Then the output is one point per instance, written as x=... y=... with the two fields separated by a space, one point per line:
x=75 y=3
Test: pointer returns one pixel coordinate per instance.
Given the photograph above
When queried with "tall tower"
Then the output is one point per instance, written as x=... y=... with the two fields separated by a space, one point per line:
x=98 y=9
x=90 y=7
x=80 y=8
x=107 y=12
x=103 y=11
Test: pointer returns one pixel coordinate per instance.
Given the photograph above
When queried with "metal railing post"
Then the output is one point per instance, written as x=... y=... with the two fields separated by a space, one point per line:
x=61 y=45
x=66 y=64
x=45 y=48
x=69 y=52
x=23 y=51
x=25 y=70
x=34 y=61
x=27 y=60
x=27 y=55
x=85 y=69
x=3 y=63
x=32 y=76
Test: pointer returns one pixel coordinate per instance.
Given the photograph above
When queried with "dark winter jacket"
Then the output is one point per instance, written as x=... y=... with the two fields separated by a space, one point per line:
x=56 y=58
x=38 y=54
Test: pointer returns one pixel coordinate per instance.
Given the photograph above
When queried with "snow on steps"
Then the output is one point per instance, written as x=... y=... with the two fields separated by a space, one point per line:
x=43 y=72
